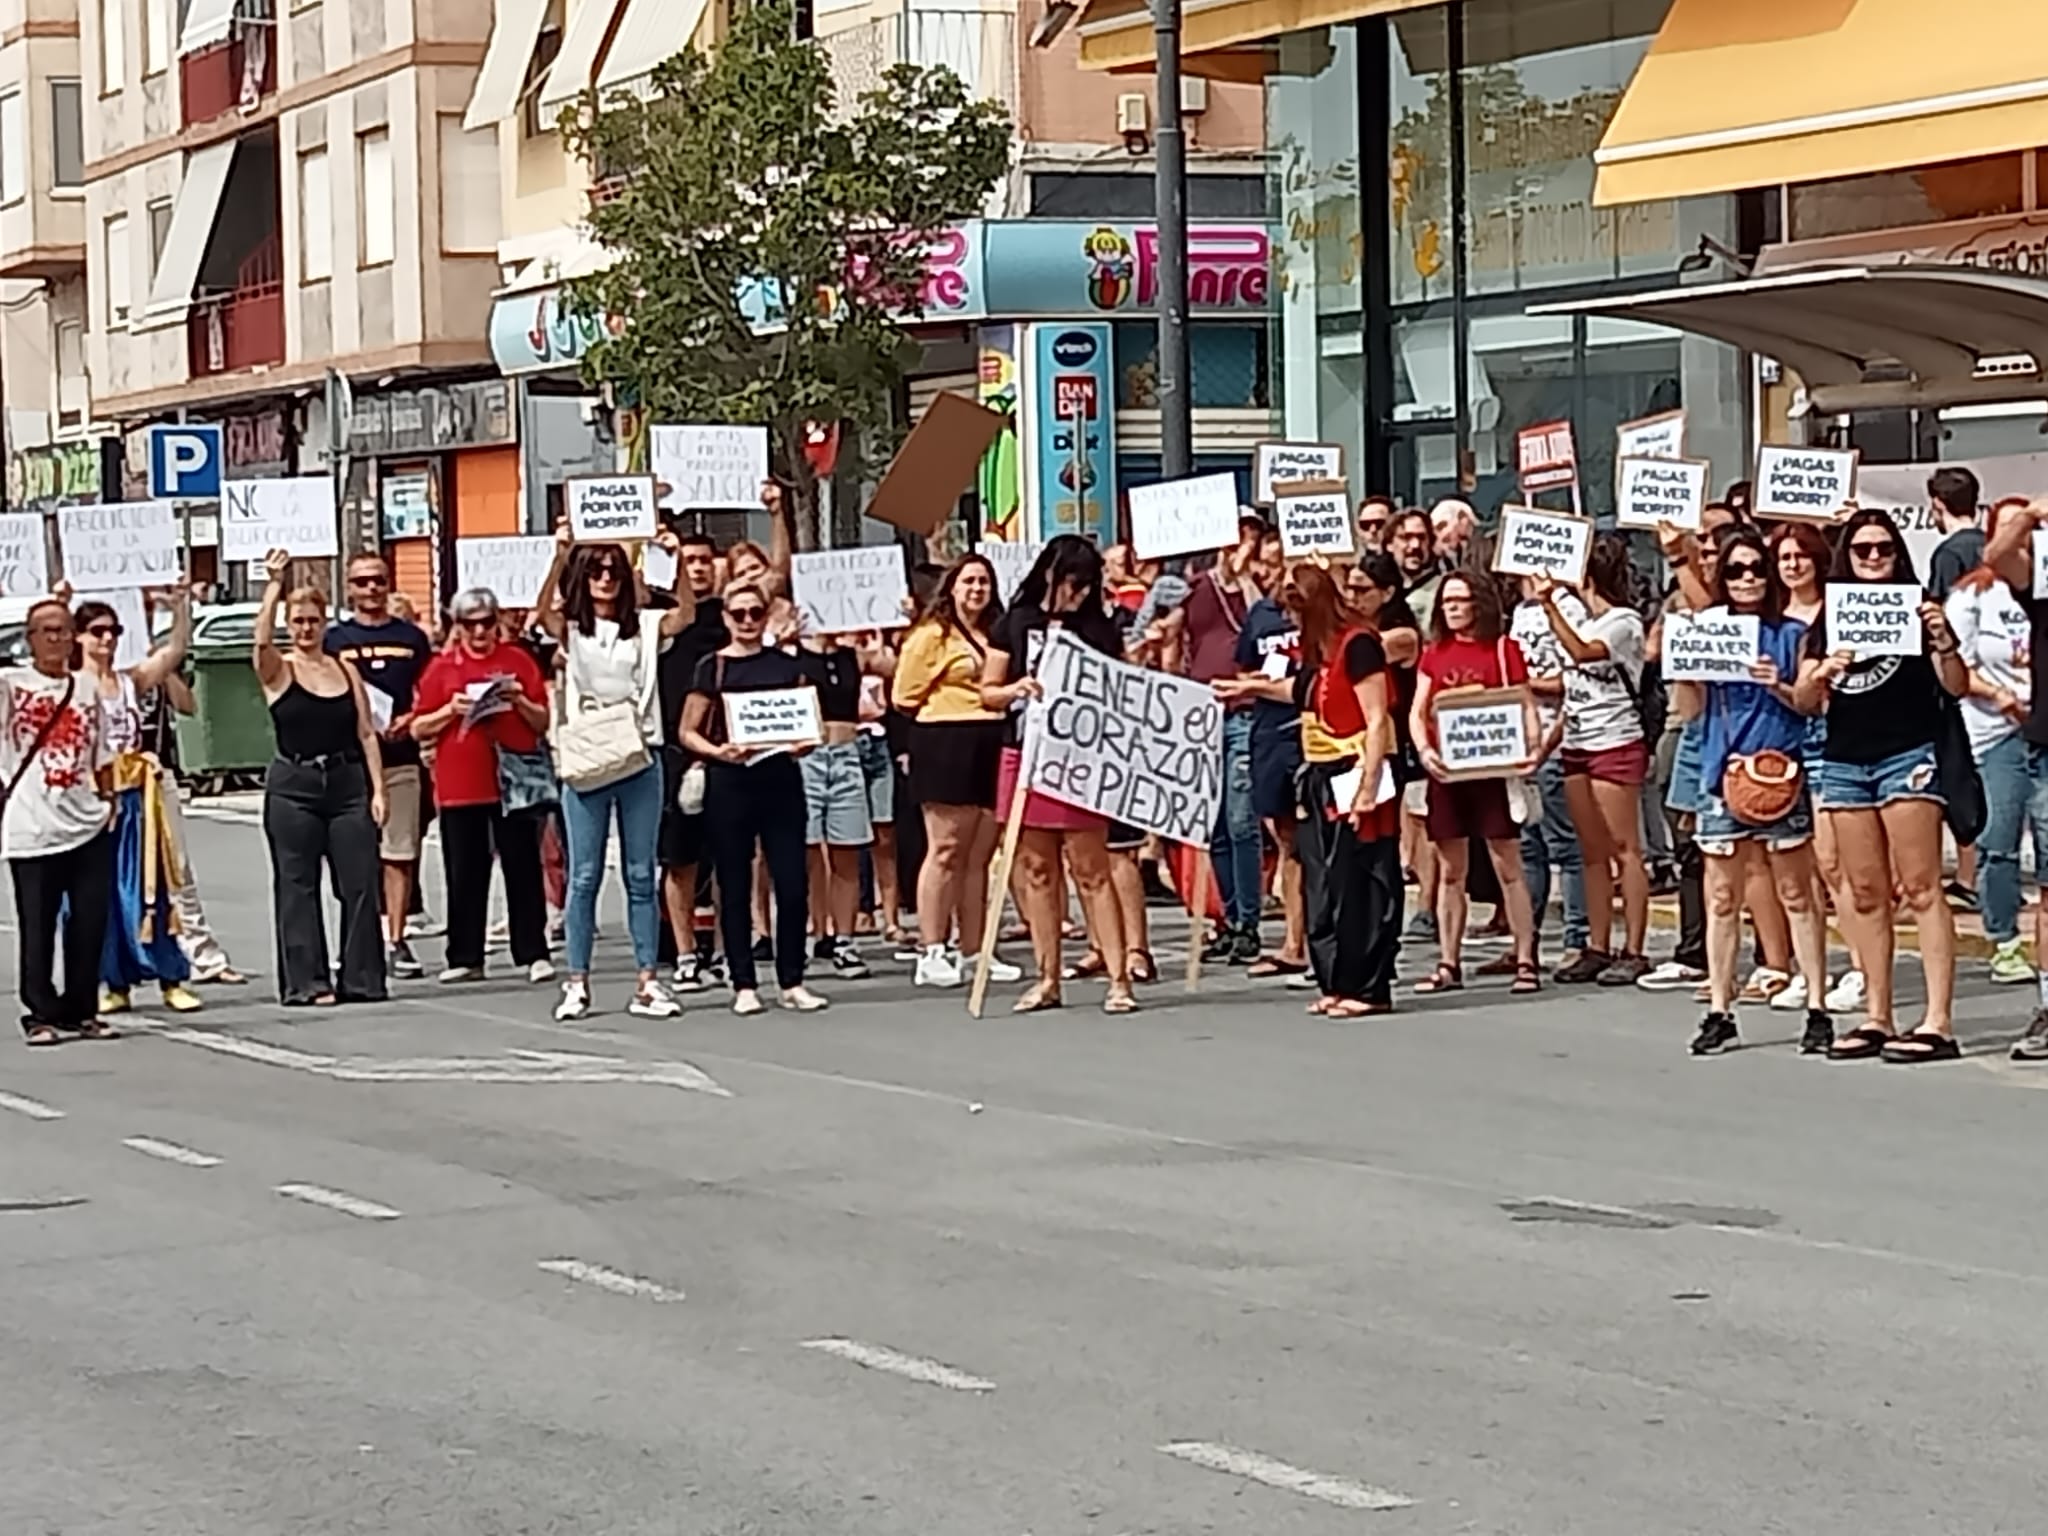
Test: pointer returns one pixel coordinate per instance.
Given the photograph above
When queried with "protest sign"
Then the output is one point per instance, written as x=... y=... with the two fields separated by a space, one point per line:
x=1536 y=543
x=295 y=514
x=24 y=556
x=658 y=568
x=1012 y=563
x=512 y=567
x=1314 y=520
x=1277 y=465
x=1546 y=458
x=119 y=544
x=1874 y=618
x=1714 y=646
x=1183 y=517
x=839 y=590
x=1651 y=437
x=2040 y=564
x=607 y=509
x=705 y=467
x=1482 y=733
x=1137 y=746
x=1816 y=484
x=1652 y=491
x=773 y=717
x=133 y=615
x=936 y=464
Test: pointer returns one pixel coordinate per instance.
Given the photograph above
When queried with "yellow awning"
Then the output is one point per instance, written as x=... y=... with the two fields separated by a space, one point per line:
x=1117 y=34
x=1752 y=93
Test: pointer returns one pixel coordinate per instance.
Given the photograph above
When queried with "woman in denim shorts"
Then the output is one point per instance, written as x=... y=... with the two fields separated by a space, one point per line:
x=1880 y=789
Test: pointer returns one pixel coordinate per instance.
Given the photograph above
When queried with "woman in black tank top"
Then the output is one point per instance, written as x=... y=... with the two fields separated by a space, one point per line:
x=323 y=800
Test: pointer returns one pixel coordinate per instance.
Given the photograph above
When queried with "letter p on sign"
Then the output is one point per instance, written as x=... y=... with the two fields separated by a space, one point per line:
x=185 y=462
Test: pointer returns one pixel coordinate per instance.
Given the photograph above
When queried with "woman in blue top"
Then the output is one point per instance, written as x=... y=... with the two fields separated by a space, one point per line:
x=1737 y=720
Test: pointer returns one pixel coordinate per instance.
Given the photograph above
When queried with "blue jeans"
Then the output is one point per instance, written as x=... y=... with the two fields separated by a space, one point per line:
x=2015 y=777
x=1234 y=847
x=586 y=819
x=1552 y=844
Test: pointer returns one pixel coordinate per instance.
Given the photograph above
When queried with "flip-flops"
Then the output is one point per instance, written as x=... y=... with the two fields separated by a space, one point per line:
x=1919 y=1046
x=1866 y=1044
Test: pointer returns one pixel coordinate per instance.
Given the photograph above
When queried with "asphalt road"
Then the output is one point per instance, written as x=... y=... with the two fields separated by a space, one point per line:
x=448 y=1268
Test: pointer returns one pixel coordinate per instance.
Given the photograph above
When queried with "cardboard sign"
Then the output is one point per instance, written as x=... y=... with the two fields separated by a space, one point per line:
x=1275 y=465
x=1140 y=747
x=1314 y=521
x=1011 y=562
x=1816 y=484
x=610 y=509
x=1183 y=517
x=1536 y=543
x=1714 y=646
x=119 y=544
x=295 y=515
x=658 y=568
x=1652 y=491
x=24 y=555
x=1482 y=733
x=773 y=717
x=936 y=463
x=512 y=568
x=1651 y=437
x=706 y=467
x=1874 y=618
x=840 y=590
x=1546 y=459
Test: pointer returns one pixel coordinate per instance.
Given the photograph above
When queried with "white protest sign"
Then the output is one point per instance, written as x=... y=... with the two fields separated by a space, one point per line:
x=1812 y=483
x=1314 y=522
x=773 y=717
x=1652 y=437
x=1537 y=543
x=1275 y=465
x=1011 y=563
x=1483 y=735
x=1137 y=746
x=610 y=509
x=709 y=466
x=133 y=646
x=1874 y=618
x=119 y=544
x=839 y=590
x=658 y=568
x=295 y=515
x=2040 y=564
x=1183 y=517
x=1714 y=646
x=1652 y=491
x=512 y=567
x=24 y=557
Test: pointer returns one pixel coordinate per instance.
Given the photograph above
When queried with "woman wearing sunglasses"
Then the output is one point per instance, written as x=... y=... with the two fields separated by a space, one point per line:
x=611 y=655
x=323 y=801
x=1880 y=786
x=753 y=799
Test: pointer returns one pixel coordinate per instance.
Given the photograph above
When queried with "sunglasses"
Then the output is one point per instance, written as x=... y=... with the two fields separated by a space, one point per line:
x=104 y=631
x=1743 y=568
x=1874 y=551
x=369 y=581
x=607 y=570
x=746 y=615
x=478 y=621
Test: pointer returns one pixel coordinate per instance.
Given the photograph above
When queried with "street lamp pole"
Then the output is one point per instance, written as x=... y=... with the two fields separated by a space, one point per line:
x=1176 y=419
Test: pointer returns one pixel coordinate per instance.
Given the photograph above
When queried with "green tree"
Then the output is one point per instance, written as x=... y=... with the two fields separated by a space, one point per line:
x=742 y=190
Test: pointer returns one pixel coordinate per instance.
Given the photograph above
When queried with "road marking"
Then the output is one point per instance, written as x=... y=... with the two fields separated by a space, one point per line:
x=878 y=1358
x=40 y=1203
x=35 y=1109
x=1233 y=1462
x=170 y=1152
x=335 y=1200
x=618 y=1282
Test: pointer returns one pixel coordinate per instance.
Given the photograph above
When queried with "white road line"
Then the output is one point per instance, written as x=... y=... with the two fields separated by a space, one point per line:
x=35 y=1109
x=170 y=1152
x=878 y=1358
x=618 y=1282
x=1232 y=1461
x=335 y=1200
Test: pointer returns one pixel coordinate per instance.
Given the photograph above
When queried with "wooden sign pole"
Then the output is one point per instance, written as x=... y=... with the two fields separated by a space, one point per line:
x=1198 y=914
x=998 y=884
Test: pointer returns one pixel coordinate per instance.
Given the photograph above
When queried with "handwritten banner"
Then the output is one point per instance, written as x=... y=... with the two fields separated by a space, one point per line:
x=709 y=466
x=773 y=717
x=24 y=555
x=1651 y=437
x=295 y=515
x=512 y=567
x=1314 y=522
x=840 y=590
x=1276 y=465
x=1483 y=734
x=1011 y=562
x=1714 y=646
x=1180 y=517
x=1652 y=491
x=1816 y=484
x=1536 y=543
x=1874 y=618
x=607 y=509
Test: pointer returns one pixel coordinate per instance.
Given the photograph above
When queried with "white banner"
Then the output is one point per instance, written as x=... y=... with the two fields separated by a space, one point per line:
x=1137 y=746
x=1714 y=646
x=1183 y=517
x=1533 y=543
x=841 y=590
x=1651 y=437
x=610 y=509
x=1276 y=465
x=513 y=566
x=708 y=466
x=1012 y=563
x=24 y=556
x=1314 y=522
x=119 y=544
x=1874 y=618
x=1652 y=491
x=1815 y=484
x=295 y=515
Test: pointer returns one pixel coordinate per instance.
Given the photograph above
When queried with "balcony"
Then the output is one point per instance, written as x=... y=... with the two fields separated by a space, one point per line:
x=236 y=76
x=244 y=328
x=978 y=43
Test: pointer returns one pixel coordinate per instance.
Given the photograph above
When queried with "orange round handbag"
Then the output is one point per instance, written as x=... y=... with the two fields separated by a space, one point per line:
x=1761 y=788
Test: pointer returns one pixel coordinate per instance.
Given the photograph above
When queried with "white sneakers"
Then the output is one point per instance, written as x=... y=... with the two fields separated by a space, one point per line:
x=575 y=1003
x=1848 y=994
x=540 y=971
x=936 y=968
x=651 y=1001
x=1792 y=999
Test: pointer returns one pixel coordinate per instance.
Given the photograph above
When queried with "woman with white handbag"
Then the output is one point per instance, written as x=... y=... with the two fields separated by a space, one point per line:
x=607 y=741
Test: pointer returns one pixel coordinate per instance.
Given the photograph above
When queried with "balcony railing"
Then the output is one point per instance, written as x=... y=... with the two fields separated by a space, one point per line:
x=236 y=75
x=242 y=329
x=978 y=44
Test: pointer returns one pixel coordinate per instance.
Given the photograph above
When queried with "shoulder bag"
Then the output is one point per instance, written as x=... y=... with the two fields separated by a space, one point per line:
x=35 y=749
x=1525 y=799
x=690 y=788
x=599 y=744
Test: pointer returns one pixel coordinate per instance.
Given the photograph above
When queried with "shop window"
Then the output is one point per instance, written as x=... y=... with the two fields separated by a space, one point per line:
x=1228 y=366
x=1933 y=194
x=1133 y=195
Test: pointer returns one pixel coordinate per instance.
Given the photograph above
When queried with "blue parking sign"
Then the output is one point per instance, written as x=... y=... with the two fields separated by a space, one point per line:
x=184 y=461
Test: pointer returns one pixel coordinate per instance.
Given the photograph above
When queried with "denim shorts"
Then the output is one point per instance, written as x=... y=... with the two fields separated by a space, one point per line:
x=836 y=796
x=1718 y=831
x=1908 y=775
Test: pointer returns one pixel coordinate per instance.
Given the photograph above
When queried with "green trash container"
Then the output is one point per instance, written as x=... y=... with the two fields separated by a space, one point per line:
x=229 y=730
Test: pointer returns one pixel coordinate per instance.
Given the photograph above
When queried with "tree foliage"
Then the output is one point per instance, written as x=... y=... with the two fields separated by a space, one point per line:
x=767 y=244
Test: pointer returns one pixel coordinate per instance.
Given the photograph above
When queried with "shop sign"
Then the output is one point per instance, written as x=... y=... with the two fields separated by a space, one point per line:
x=533 y=331
x=431 y=419
x=2014 y=243
x=951 y=289
x=1076 y=430
x=39 y=478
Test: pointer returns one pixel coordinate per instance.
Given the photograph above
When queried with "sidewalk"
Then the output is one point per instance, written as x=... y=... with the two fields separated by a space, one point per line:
x=1971 y=944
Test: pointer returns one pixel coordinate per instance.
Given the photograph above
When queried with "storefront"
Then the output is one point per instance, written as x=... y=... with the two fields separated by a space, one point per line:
x=42 y=480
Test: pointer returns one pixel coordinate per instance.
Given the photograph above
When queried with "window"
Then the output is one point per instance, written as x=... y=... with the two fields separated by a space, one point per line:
x=113 y=46
x=545 y=48
x=73 y=392
x=374 y=192
x=67 y=134
x=156 y=36
x=1133 y=195
x=159 y=232
x=13 y=149
x=120 y=281
x=316 y=218
x=469 y=187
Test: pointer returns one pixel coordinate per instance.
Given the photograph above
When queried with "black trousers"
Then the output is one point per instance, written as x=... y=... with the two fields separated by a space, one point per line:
x=759 y=806
x=470 y=836
x=84 y=874
x=1354 y=895
x=315 y=814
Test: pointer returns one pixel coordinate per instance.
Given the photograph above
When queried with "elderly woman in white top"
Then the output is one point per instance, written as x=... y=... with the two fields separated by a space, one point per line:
x=610 y=653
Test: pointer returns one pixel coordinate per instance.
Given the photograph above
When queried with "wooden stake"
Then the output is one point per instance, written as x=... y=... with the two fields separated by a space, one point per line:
x=1198 y=916
x=998 y=886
